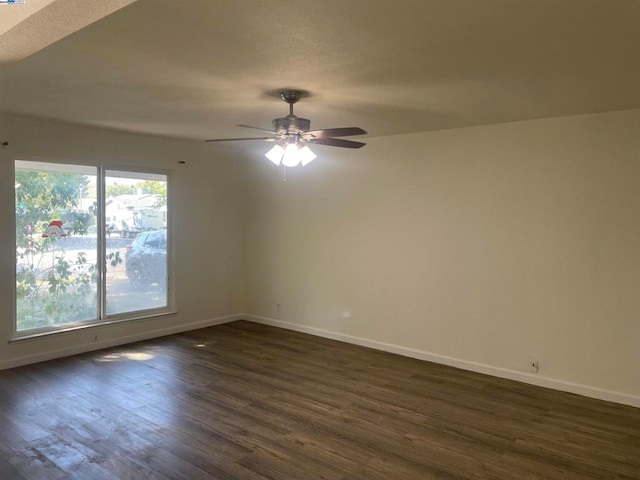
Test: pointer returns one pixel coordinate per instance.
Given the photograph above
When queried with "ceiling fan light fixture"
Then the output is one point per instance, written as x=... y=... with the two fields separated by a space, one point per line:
x=275 y=154
x=291 y=155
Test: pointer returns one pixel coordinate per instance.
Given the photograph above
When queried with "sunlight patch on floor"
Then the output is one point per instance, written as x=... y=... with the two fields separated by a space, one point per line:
x=140 y=356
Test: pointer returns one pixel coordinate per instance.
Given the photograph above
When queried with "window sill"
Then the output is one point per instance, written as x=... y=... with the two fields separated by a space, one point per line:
x=38 y=333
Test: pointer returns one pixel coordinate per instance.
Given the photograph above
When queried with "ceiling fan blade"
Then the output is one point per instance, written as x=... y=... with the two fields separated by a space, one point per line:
x=336 y=142
x=337 y=132
x=268 y=139
x=258 y=128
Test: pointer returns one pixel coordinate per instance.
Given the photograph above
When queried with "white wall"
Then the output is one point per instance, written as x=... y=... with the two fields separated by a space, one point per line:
x=484 y=246
x=208 y=216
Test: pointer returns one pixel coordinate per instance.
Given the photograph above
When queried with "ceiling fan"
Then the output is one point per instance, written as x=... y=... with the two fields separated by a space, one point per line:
x=292 y=135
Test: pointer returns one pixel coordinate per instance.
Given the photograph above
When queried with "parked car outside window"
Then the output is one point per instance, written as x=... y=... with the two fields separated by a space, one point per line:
x=146 y=259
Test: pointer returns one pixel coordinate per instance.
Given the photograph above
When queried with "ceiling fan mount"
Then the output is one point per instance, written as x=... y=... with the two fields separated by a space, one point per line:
x=292 y=96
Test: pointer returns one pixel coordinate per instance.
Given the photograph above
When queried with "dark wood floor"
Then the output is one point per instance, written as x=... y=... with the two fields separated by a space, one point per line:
x=246 y=401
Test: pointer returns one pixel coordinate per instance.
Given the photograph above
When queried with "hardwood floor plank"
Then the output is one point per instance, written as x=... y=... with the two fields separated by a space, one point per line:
x=243 y=401
x=8 y=471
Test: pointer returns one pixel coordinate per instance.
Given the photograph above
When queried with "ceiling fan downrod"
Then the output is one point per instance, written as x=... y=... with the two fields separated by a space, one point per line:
x=291 y=124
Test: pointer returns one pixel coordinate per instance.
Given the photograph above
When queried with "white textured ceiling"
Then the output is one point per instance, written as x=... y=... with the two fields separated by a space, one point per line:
x=195 y=68
x=29 y=27
x=12 y=15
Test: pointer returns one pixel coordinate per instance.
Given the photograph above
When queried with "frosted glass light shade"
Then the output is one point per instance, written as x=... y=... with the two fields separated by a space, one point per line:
x=291 y=157
x=275 y=154
x=306 y=155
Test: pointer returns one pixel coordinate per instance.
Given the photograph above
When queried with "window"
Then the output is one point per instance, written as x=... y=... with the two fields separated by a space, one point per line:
x=91 y=245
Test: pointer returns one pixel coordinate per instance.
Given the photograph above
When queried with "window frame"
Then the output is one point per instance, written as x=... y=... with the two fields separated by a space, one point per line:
x=102 y=318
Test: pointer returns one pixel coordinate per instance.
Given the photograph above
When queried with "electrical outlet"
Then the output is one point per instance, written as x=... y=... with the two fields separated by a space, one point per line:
x=94 y=338
x=278 y=307
x=534 y=364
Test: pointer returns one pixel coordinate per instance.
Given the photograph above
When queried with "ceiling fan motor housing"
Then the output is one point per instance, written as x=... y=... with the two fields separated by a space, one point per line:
x=291 y=124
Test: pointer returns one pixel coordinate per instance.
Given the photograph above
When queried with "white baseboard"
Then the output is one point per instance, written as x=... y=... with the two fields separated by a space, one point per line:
x=74 y=350
x=529 y=378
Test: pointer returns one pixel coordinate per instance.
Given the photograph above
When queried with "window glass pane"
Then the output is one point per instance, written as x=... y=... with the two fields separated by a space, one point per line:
x=56 y=247
x=136 y=226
